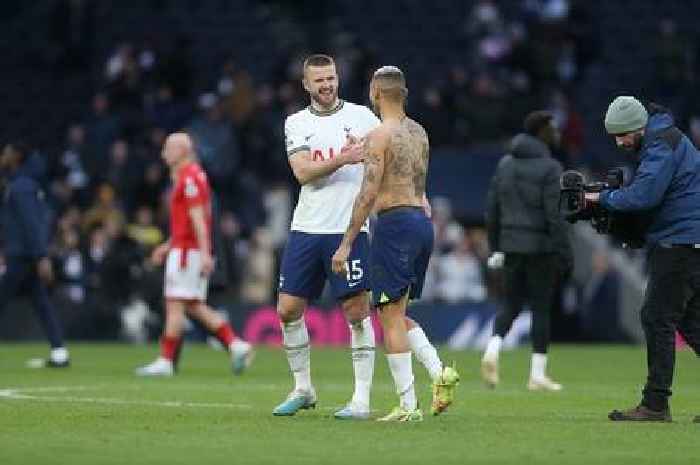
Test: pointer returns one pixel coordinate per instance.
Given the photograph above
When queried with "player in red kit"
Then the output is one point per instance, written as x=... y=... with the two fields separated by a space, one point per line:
x=189 y=262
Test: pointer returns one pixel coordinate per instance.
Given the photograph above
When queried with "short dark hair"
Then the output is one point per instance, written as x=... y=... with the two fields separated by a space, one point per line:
x=318 y=59
x=535 y=121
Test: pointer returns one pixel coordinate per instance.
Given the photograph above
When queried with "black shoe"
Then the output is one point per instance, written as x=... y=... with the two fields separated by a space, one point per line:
x=641 y=413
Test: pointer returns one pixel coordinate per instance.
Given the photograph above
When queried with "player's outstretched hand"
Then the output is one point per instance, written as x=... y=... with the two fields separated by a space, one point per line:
x=353 y=151
x=159 y=253
x=340 y=259
x=207 y=264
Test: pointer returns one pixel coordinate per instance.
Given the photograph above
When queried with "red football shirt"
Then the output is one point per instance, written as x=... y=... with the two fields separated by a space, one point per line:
x=191 y=189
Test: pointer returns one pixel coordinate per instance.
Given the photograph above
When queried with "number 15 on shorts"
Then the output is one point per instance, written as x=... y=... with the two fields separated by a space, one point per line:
x=354 y=270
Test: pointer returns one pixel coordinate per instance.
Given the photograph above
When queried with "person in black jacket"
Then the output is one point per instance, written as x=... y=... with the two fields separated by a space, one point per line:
x=26 y=224
x=530 y=240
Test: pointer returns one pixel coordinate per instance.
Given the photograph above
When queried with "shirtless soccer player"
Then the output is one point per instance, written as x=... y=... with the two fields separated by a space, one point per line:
x=396 y=166
x=189 y=262
x=330 y=177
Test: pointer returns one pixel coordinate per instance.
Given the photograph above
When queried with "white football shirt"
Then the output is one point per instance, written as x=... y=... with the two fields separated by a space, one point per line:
x=325 y=205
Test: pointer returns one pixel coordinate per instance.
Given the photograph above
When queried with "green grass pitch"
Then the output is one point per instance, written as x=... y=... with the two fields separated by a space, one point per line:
x=97 y=412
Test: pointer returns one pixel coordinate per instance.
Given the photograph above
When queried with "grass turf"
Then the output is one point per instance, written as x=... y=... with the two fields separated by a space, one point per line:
x=97 y=412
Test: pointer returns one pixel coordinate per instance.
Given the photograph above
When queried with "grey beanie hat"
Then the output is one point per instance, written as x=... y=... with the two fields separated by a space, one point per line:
x=625 y=114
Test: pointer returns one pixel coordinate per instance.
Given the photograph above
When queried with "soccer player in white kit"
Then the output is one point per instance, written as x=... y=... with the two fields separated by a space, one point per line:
x=317 y=139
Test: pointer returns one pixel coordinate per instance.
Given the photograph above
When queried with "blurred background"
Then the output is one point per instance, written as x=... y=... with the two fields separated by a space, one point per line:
x=95 y=85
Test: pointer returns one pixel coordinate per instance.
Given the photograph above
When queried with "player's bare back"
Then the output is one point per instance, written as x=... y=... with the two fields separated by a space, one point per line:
x=405 y=151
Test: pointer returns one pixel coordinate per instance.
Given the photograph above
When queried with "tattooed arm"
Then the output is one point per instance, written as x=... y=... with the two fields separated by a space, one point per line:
x=374 y=147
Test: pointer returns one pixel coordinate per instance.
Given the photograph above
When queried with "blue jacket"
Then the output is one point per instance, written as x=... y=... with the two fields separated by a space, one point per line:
x=666 y=184
x=25 y=214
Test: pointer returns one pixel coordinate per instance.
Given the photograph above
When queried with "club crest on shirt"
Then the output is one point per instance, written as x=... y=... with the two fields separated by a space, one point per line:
x=191 y=188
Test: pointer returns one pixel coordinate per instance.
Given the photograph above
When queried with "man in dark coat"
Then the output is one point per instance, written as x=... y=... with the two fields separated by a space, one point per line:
x=530 y=240
x=26 y=225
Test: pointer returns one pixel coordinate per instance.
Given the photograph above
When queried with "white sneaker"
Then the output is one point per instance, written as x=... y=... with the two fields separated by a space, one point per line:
x=160 y=367
x=295 y=401
x=489 y=372
x=352 y=411
x=242 y=355
x=544 y=384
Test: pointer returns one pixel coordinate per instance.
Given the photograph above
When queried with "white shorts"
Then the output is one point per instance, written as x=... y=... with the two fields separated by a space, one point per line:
x=183 y=277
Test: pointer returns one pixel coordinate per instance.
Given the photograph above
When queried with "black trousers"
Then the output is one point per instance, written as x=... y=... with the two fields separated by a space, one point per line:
x=671 y=303
x=529 y=279
x=21 y=274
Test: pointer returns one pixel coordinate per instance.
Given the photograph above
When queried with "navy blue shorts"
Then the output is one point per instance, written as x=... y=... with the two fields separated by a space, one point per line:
x=402 y=242
x=306 y=265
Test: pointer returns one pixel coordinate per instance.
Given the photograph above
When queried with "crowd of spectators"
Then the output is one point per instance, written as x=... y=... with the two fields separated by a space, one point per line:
x=531 y=58
x=109 y=186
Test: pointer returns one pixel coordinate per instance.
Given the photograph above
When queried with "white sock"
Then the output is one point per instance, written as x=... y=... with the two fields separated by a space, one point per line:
x=59 y=355
x=239 y=346
x=296 y=345
x=402 y=371
x=493 y=348
x=538 y=366
x=362 y=360
x=425 y=352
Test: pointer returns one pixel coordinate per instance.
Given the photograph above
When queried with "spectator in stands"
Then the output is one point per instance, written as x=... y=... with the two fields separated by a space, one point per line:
x=143 y=230
x=447 y=231
x=120 y=62
x=120 y=270
x=101 y=129
x=435 y=117
x=483 y=17
x=71 y=180
x=105 y=208
x=233 y=251
x=262 y=140
x=214 y=139
x=259 y=279
x=237 y=94
x=151 y=186
x=70 y=266
x=484 y=93
x=600 y=296
x=460 y=273
x=570 y=124
x=122 y=172
x=164 y=111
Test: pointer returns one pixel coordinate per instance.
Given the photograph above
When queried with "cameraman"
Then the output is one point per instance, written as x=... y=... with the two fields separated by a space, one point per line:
x=529 y=239
x=666 y=186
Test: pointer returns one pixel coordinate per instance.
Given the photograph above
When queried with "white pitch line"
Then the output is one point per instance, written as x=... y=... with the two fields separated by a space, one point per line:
x=27 y=393
x=3 y=391
x=18 y=394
